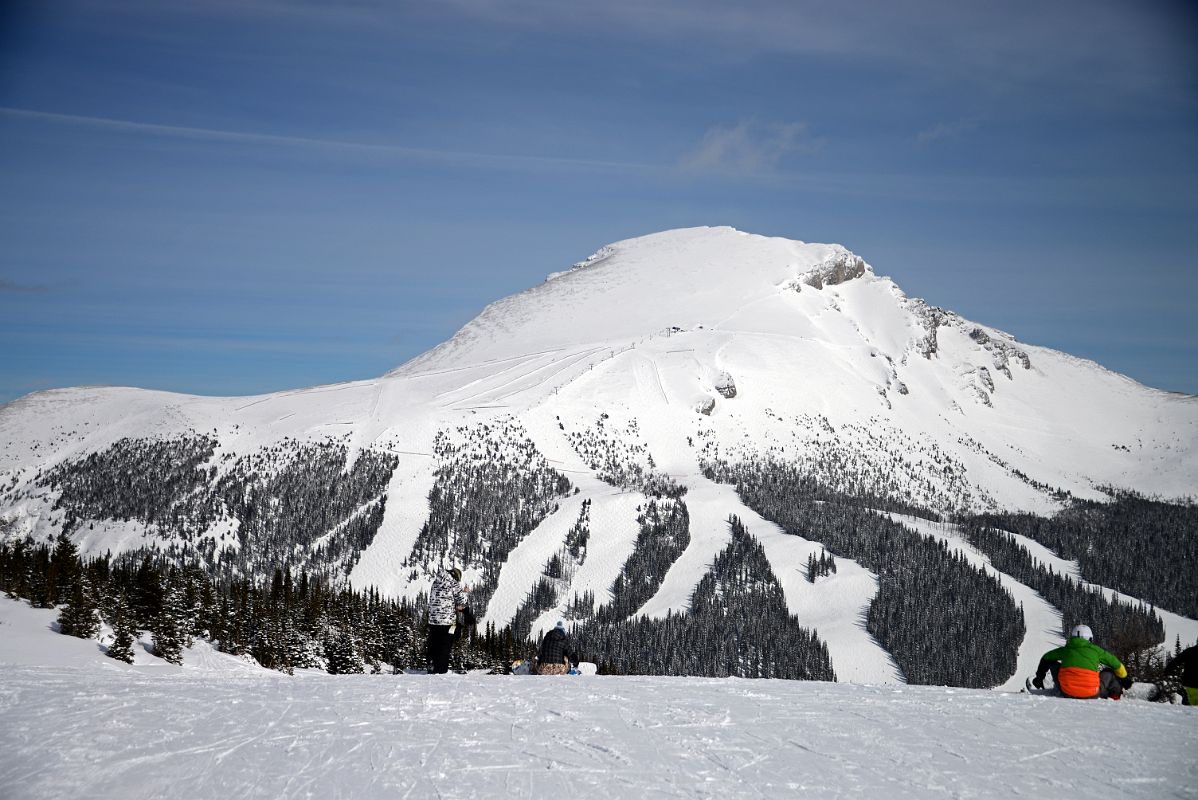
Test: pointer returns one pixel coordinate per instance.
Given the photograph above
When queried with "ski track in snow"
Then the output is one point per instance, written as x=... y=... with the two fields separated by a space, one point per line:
x=536 y=377
x=129 y=734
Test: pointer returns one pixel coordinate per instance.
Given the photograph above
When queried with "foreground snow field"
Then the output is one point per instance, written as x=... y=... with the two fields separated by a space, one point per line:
x=71 y=732
x=74 y=723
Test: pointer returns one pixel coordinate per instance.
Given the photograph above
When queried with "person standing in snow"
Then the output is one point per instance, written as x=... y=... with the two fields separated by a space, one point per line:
x=1078 y=668
x=1184 y=666
x=556 y=655
x=445 y=600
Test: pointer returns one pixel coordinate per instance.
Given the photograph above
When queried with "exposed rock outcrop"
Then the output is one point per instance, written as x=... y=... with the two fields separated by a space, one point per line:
x=841 y=268
x=725 y=385
x=1002 y=351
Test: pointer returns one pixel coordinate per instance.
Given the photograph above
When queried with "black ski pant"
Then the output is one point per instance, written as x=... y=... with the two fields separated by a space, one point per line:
x=440 y=640
x=1108 y=684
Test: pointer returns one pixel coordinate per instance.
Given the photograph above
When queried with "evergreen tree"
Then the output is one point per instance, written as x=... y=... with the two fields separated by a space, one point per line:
x=63 y=576
x=299 y=651
x=342 y=653
x=1133 y=627
x=267 y=647
x=80 y=616
x=488 y=495
x=145 y=598
x=36 y=581
x=123 y=633
x=399 y=639
x=663 y=537
x=170 y=628
x=282 y=627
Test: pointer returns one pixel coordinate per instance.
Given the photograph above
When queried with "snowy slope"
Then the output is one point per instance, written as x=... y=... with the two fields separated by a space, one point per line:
x=88 y=726
x=29 y=638
x=713 y=345
x=745 y=307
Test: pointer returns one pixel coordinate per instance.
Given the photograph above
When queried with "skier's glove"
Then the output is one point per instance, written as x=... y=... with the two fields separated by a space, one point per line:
x=1125 y=682
x=1038 y=682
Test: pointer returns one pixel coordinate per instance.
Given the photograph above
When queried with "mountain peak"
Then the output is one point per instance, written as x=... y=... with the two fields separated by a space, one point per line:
x=841 y=265
x=687 y=278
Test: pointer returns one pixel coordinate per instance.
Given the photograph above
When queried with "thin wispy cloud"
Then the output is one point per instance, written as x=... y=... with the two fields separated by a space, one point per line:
x=1099 y=47
x=460 y=157
x=12 y=286
x=203 y=343
x=748 y=148
x=946 y=130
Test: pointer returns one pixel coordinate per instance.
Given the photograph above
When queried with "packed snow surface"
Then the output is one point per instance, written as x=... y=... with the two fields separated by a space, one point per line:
x=77 y=724
x=122 y=733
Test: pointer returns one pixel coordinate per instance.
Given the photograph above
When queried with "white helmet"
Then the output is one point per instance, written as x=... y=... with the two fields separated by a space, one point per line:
x=1082 y=631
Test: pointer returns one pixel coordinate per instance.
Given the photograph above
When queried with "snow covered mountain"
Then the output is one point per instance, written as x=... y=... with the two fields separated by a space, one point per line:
x=550 y=443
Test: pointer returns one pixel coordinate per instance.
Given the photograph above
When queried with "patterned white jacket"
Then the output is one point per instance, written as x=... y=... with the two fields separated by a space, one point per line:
x=444 y=599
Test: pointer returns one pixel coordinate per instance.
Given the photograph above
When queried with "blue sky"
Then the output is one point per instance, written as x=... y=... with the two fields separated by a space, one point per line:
x=239 y=196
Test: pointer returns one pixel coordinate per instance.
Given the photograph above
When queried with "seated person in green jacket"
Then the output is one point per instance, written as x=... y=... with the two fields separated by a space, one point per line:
x=1078 y=668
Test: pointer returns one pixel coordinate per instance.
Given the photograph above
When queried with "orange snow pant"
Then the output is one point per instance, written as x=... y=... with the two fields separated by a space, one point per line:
x=1086 y=683
x=1078 y=682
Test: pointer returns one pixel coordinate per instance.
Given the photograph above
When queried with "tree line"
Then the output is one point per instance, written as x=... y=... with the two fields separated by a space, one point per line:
x=1126 y=629
x=1139 y=546
x=285 y=623
x=292 y=505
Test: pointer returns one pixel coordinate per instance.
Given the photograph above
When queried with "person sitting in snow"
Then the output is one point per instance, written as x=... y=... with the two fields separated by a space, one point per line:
x=1184 y=667
x=555 y=656
x=1082 y=669
x=445 y=600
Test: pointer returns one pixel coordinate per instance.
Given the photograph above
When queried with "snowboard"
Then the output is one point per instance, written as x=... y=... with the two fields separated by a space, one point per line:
x=525 y=668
